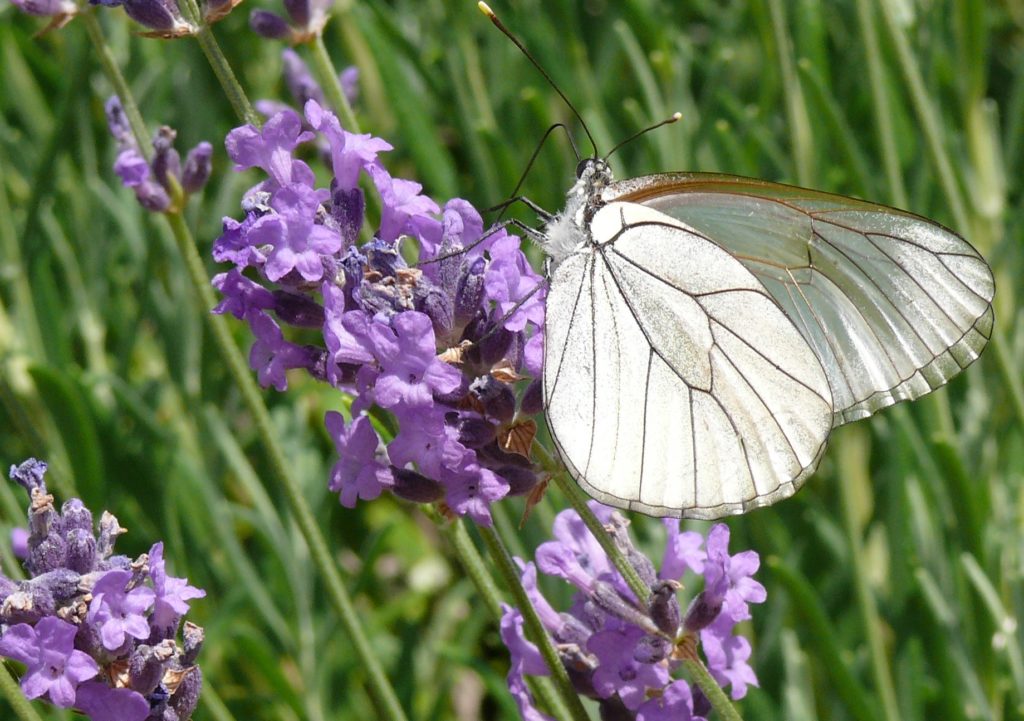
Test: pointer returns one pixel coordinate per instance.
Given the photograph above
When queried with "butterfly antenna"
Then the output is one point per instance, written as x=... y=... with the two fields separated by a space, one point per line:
x=486 y=10
x=667 y=121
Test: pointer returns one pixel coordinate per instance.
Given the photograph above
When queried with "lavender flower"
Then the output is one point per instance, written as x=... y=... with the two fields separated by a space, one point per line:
x=97 y=631
x=156 y=182
x=162 y=17
x=623 y=651
x=443 y=346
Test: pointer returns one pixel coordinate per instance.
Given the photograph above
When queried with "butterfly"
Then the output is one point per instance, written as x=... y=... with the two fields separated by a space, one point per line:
x=704 y=333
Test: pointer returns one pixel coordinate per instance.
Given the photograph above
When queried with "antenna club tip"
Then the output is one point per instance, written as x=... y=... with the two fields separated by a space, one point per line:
x=676 y=116
x=485 y=9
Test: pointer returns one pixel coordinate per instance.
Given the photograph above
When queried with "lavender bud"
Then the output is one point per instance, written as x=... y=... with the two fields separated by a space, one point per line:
x=415 y=487
x=702 y=611
x=74 y=516
x=383 y=257
x=663 y=606
x=193 y=637
x=475 y=432
x=153 y=197
x=81 y=553
x=520 y=480
x=48 y=555
x=42 y=517
x=186 y=697
x=298 y=11
x=573 y=631
x=298 y=310
x=166 y=161
x=469 y=291
x=300 y=81
x=347 y=208
x=644 y=568
x=29 y=474
x=198 y=165
x=110 y=529
x=456 y=395
x=652 y=649
x=269 y=25
x=533 y=398
x=60 y=585
x=605 y=596
x=159 y=15
x=146 y=665
x=494 y=345
x=438 y=307
x=349 y=78
x=496 y=397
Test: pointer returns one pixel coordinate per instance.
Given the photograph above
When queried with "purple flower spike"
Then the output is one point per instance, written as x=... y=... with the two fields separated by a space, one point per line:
x=55 y=668
x=298 y=244
x=119 y=613
x=29 y=474
x=358 y=473
x=407 y=355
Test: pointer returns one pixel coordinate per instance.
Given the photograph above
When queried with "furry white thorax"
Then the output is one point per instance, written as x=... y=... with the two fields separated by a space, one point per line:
x=569 y=231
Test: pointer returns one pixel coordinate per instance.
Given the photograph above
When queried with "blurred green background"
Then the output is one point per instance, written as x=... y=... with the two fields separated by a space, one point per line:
x=894 y=578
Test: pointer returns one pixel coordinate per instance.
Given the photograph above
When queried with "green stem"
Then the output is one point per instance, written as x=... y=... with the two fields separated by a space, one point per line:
x=327 y=76
x=222 y=69
x=719 y=701
x=379 y=687
x=10 y=690
x=535 y=629
x=124 y=93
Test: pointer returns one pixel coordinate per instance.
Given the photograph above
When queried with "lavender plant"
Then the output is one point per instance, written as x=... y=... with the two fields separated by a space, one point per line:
x=622 y=650
x=97 y=631
x=443 y=348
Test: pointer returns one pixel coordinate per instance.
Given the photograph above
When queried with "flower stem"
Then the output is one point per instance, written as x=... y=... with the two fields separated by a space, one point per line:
x=538 y=634
x=13 y=695
x=326 y=75
x=719 y=701
x=222 y=69
x=379 y=687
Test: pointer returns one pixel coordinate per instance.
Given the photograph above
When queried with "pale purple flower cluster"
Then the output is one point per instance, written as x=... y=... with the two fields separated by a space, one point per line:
x=97 y=631
x=444 y=346
x=623 y=651
x=152 y=181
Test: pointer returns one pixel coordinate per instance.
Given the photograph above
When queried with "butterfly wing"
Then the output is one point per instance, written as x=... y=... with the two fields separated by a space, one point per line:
x=673 y=382
x=894 y=305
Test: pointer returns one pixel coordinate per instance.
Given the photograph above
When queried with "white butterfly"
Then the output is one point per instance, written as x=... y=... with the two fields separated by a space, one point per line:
x=705 y=332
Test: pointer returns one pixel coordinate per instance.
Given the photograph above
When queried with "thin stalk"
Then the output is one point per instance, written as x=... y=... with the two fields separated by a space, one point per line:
x=853 y=472
x=327 y=76
x=719 y=701
x=379 y=686
x=228 y=82
x=538 y=634
x=13 y=695
x=796 y=107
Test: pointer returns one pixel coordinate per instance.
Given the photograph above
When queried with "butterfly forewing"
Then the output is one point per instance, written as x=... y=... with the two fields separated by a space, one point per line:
x=674 y=383
x=892 y=304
